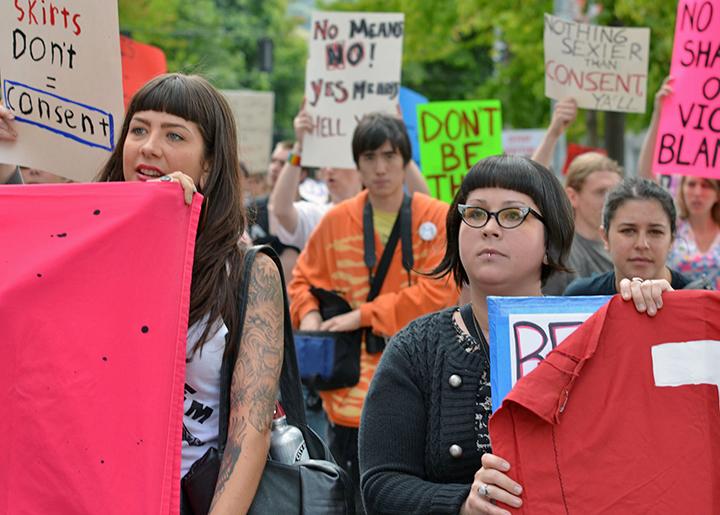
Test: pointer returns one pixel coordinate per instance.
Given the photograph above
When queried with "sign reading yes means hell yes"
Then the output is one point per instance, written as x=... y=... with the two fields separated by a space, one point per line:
x=61 y=77
x=603 y=68
x=353 y=69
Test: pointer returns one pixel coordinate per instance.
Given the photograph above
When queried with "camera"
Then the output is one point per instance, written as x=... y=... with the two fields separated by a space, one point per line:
x=373 y=342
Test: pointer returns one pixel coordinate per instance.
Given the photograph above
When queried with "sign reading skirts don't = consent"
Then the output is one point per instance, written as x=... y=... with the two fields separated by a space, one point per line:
x=688 y=141
x=523 y=330
x=454 y=135
x=353 y=68
x=603 y=68
x=61 y=77
x=94 y=302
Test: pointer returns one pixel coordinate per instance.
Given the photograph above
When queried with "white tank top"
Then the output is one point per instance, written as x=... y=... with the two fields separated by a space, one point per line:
x=202 y=394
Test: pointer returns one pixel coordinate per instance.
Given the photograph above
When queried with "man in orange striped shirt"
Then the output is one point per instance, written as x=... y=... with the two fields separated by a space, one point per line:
x=341 y=256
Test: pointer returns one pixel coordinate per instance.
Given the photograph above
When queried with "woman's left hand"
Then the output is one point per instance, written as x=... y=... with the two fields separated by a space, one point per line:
x=646 y=294
x=185 y=181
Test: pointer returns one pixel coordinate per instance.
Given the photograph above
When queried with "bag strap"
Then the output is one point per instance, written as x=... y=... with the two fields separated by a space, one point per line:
x=401 y=230
x=290 y=390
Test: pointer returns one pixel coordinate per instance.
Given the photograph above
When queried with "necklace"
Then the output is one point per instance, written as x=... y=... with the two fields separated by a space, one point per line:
x=481 y=337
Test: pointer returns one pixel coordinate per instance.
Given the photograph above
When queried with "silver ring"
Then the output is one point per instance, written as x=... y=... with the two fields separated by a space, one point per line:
x=483 y=491
x=637 y=279
x=166 y=178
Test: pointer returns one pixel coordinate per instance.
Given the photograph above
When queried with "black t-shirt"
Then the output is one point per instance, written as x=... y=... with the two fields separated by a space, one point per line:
x=604 y=284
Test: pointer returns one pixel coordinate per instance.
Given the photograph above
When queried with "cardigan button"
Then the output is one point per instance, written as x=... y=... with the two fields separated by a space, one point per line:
x=455 y=381
x=456 y=451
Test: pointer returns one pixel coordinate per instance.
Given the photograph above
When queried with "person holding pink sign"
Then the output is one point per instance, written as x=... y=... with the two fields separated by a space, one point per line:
x=696 y=248
x=180 y=129
x=423 y=441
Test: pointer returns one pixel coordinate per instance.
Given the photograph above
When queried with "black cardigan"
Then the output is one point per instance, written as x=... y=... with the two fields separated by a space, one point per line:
x=413 y=416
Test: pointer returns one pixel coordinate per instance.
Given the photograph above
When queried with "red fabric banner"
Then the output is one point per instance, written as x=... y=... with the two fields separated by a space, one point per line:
x=623 y=416
x=140 y=63
x=94 y=300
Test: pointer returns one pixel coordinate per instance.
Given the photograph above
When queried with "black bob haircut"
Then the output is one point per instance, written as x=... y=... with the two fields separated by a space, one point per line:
x=374 y=129
x=525 y=176
x=636 y=188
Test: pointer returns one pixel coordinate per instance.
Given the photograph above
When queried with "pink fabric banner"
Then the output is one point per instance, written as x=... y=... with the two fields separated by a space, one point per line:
x=687 y=142
x=94 y=298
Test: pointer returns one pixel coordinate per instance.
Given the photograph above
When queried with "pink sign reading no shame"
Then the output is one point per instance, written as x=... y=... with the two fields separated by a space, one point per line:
x=687 y=141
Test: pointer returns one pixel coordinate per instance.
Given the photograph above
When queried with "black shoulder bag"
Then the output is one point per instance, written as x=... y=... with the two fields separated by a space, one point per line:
x=317 y=486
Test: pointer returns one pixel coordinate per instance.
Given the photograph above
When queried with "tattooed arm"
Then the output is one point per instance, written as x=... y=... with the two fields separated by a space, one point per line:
x=253 y=393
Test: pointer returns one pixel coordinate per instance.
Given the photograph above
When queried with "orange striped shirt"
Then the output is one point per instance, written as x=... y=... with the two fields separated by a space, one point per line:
x=333 y=260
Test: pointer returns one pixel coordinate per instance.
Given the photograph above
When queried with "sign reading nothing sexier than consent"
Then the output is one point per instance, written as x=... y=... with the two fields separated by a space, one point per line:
x=353 y=69
x=603 y=68
x=61 y=77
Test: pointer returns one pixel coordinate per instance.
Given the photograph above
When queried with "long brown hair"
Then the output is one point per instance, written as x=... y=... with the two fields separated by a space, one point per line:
x=218 y=255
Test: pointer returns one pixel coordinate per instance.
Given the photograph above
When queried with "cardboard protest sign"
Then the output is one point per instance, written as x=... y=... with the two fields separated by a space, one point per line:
x=94 y=339
x=521 y=142
x=353 y=68
x=140 y=63
x=687 y=141
x=603 y=68
x=253 y=111
x=453 y=137
x=61 y=77
x=409 y=101
x=523 y=330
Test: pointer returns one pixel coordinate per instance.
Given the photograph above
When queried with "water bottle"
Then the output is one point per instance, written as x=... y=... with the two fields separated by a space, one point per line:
x=287 y=444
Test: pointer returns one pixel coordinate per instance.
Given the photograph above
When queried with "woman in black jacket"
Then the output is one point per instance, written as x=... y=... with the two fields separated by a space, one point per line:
x=424 y=443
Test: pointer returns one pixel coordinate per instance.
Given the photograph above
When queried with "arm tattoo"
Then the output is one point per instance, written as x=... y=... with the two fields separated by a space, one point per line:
x=255 y=377
x=238 y=427
x=261 y=351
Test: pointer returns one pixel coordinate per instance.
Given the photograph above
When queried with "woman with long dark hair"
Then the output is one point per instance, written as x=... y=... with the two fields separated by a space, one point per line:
x=180 y=128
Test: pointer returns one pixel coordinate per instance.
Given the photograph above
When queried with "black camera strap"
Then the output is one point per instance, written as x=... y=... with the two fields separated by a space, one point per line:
x=401 y=230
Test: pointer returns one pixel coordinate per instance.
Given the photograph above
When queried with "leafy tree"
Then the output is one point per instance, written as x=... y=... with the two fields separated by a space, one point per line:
x=218 y=39
x=462 y=49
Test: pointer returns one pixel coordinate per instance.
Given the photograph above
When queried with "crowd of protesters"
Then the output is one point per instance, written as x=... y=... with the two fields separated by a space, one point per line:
x=413 y=432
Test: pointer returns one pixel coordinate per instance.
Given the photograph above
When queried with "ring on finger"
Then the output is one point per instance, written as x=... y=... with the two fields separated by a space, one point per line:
x=166 y=178
x=637 y=279
x=483 y=490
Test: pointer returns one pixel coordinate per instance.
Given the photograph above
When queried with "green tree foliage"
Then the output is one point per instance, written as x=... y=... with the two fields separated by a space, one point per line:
x=218 y=39
x=463 y=49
